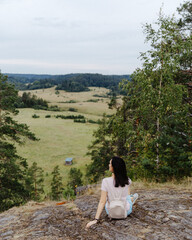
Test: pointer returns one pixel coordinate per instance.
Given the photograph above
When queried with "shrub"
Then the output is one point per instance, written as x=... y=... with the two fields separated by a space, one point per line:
x=69 y=193
x=75 y=178
x=53 y=108
x=93 y=100
x=72 y=109
x=35 y=116
x=92 y=121
x=79 y=120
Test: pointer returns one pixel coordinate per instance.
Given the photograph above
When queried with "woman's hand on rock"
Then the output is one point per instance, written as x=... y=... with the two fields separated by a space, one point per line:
x=91 y=223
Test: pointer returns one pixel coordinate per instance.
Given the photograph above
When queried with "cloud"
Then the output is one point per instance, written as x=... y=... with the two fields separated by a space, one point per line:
x=60 y=35
x=55 y=22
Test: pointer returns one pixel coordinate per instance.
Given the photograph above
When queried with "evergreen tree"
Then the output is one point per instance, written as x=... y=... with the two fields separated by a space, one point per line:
x=35 y=182
x=12 y=167
x=101 y=150
x=164 y=125
x=75 y=178
x=56 y=184
x=113 y=101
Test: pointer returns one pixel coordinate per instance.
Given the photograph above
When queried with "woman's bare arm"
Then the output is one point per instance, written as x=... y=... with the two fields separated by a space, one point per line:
x=100 y=207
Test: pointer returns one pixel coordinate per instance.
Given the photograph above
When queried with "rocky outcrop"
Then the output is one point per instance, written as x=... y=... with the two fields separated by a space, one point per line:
x=157 y=214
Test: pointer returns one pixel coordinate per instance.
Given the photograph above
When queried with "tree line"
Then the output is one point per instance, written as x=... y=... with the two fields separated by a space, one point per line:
x=69 y=82
x=27 y=100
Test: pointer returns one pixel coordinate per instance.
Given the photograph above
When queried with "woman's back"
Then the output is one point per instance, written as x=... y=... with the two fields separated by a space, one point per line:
x=108 y=185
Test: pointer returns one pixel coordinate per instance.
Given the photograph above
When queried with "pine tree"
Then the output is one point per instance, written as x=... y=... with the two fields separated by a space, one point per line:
x=75 y=178
x=56 y=184
x=12 y=167
x=35 y=182
x=101 y=150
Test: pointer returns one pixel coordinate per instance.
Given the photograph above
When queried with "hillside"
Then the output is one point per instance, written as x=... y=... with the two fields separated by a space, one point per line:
x=62 y=138
x=163 y=213
x=68 y=82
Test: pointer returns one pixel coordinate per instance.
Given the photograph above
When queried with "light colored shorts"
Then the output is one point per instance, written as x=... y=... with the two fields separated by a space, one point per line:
x=130 y=204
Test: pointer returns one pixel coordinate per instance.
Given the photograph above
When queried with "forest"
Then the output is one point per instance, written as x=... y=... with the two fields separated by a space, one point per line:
x=68 y=82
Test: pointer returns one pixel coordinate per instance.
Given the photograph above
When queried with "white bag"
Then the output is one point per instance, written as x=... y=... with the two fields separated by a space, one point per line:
x=117 y=209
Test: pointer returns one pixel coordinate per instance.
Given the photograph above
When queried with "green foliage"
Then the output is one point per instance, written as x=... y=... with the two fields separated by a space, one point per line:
x=101 y=151
x=113 y=101
x=185 y=10
x=75 y=178
x=152 y=129
x=102 y=96
x=69 y=82
x=56 y=184
x=80 y=120
x=94 y=122
x=39 y=84
x=13 y=168
x=72 y=109
x=93 y=100
x=35 y=181
x=68 y=193
x=31 y=101
x=54 y=108
x=70 y=116
x=35 y=116
x=48 y=116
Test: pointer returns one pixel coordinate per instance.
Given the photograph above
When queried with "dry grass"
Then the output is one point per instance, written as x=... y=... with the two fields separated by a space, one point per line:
x=80 y=99
x=184 y=185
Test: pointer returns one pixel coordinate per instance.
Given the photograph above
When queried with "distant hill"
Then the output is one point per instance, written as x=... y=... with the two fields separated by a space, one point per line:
x=69 y=82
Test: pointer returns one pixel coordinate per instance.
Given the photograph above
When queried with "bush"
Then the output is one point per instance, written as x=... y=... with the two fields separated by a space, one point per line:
x=70 y=116
x=72 y=109
x=94 y=122
x=93 y=100
x=75 y=178
x=79 y=120
x=47 y=116
x=53 y=108
x=69 y=193
x=35 y=116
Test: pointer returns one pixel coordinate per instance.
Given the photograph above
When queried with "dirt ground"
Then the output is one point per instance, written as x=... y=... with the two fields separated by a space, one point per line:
x=157 y=215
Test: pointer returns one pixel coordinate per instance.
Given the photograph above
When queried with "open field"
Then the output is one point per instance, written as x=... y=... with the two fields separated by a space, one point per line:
x=81 y=100
x=61 y=138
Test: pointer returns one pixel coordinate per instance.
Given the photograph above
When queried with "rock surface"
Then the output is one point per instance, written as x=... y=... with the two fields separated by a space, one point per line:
x=157 y=214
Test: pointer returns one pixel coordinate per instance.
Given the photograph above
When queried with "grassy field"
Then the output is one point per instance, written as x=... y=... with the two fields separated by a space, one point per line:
x=61 y=138
x=82 y=100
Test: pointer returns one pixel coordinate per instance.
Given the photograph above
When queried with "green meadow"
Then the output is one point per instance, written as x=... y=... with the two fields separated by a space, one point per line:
x=62 y=138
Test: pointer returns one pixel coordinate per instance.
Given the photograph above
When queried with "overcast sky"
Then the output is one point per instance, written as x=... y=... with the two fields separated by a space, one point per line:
x=75 y=36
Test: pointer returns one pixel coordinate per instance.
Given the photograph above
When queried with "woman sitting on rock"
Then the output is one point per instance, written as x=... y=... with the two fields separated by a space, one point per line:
x=115 y=193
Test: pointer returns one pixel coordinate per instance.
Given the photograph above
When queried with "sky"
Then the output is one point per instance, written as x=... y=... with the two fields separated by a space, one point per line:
x=76 y=36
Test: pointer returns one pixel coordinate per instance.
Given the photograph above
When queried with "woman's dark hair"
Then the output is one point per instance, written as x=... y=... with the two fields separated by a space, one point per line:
x=119 y=169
